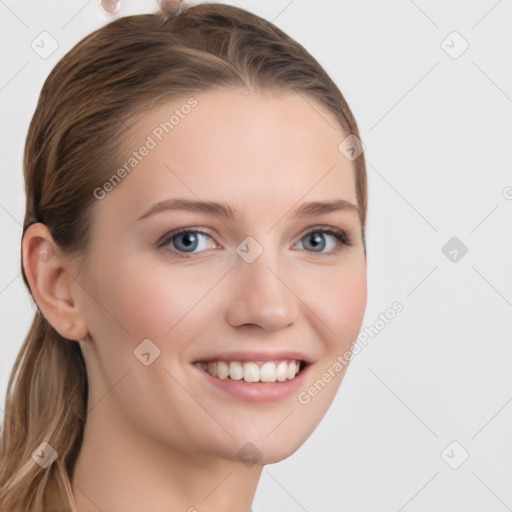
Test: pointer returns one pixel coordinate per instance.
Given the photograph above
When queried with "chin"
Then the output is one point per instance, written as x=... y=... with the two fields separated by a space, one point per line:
x=278 y=449
x=278 y=456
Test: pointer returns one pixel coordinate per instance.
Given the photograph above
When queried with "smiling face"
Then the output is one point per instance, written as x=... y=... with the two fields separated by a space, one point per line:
x=253 y=281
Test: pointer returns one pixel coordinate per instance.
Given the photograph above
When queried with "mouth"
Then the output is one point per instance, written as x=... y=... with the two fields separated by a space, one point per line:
x=253 y=371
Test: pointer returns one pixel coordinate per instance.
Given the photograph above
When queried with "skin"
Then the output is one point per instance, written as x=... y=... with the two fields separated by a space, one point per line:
x=157 y=435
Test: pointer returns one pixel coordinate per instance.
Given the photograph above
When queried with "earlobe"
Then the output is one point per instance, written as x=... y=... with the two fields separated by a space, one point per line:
x=51 y=283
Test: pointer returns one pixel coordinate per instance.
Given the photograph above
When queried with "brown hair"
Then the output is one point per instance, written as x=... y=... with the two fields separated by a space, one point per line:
x=77 y=134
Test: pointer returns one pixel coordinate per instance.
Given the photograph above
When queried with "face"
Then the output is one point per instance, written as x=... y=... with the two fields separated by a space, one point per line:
x=264 y=279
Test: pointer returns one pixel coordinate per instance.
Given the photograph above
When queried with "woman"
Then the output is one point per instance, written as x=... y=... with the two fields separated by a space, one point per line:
x=194 y=243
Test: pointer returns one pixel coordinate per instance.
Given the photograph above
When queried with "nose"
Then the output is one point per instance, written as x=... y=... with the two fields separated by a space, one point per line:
x=261 y=295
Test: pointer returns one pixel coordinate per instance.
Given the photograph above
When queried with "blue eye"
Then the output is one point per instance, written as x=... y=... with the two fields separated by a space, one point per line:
x=316 y=240
x=186 y=241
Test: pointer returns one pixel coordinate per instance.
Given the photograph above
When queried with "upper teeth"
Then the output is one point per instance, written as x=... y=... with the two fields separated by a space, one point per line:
x=251 y=371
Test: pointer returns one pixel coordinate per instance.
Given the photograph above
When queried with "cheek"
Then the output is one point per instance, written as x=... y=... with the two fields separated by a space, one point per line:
x=339 y=300
x=151 y=298
x=349 y=304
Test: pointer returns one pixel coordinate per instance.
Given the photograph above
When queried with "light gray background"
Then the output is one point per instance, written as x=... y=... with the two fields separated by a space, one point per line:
x=438 y=141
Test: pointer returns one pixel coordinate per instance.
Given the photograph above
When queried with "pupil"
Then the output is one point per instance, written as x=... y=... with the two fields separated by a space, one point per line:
x=318 y=240
x=190 y=240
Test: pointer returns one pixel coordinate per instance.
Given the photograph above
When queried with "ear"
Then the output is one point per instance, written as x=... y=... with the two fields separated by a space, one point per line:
x=51 y=283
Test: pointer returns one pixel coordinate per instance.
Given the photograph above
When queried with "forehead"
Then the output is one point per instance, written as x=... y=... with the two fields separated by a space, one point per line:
x=255 y=150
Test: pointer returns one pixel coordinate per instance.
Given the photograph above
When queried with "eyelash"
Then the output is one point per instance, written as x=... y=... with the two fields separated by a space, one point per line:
x=339 y=234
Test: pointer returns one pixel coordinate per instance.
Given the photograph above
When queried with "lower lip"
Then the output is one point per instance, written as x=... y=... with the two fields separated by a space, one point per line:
x=258 y=391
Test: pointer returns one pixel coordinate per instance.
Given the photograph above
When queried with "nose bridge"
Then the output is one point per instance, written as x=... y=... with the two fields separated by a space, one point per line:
x=260 y=294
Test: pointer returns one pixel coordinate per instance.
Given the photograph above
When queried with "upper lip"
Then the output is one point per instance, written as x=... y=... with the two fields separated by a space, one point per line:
x=283 y=355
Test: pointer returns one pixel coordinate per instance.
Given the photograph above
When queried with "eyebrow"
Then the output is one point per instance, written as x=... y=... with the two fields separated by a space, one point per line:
x=225 y=210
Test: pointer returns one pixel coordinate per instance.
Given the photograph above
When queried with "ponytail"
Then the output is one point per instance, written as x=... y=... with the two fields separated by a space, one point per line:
x=46 y=401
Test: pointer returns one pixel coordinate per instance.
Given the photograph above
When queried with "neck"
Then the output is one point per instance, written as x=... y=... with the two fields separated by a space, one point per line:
x=121 y=470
